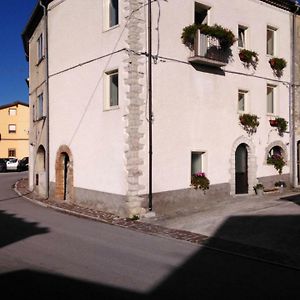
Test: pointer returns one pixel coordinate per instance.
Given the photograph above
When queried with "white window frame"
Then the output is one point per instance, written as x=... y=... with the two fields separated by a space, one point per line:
x=274 y=93
x=108 y=88
x=107 y=14
x=12 y=109
x=244 y=38
x=274 y=30
x=12 y=128
x=207 y=8
x=246 y=95
x=202 y=155
x=40 y=47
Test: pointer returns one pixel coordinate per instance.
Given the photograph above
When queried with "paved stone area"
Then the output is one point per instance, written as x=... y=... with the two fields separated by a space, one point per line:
x=162 y=226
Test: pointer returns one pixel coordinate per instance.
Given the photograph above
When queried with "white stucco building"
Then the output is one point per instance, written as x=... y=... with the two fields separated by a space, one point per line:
x=97 y=80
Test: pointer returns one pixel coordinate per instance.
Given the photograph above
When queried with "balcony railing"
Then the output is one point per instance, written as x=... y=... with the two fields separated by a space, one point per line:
x=207 y=51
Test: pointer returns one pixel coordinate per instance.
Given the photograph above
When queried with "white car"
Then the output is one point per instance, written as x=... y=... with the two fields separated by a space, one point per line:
x=12 y=164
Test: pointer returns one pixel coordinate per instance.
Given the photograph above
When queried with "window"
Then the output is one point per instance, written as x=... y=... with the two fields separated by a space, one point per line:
x=271 y=40
x=40 y=112
x=12 y=128
x=111 y=13
x=201 y=14
x=270 y=99
x=12 y=153
x=40 y=47
x=242 y=35
x=111 y=89
x=197 y=162
x=242 y=96
x=12 y=111
x=277 y=150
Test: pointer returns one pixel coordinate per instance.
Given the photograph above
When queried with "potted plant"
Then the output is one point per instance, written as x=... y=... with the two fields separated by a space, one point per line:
x=277 y=161
x=249 y=58
x=281 y=125
x=249 y=123
x=259 y=189
x=225 y=36
x=200 y=181
x=277 y=64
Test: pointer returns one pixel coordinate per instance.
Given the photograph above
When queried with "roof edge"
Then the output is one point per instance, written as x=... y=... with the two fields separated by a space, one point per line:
x=15 y=103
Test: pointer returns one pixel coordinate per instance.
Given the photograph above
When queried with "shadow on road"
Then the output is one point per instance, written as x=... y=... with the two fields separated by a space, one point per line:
x=220 y=270
x=13 y=229
x=295 y=199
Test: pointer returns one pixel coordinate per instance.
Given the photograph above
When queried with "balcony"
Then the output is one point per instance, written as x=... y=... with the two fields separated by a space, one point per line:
x=207 y=51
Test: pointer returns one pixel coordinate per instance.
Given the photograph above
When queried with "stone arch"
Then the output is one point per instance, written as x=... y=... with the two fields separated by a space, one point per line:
x=64 y=183
x=252 y=164
x=274 y=144
x=41 y=159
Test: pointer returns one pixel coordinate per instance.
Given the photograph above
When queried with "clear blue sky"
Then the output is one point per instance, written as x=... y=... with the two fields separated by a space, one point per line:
x=14 y=15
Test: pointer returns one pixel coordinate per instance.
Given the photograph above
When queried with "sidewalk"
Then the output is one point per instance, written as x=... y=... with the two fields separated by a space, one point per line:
x=196 y=227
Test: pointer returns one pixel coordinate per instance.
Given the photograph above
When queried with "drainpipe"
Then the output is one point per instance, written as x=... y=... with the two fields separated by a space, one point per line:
x=292 y=97
x=150 y=117
x=47 y=97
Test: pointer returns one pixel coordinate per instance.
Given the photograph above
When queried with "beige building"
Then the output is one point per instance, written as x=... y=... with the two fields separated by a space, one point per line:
x=14 y=129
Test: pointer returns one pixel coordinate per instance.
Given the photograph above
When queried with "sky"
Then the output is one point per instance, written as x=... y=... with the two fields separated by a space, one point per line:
x=14 y=15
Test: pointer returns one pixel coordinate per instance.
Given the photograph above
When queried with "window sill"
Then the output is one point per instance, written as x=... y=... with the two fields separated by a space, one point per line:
x=39 y=119
x=106 y=29
x=40 y=60
x=112 y=108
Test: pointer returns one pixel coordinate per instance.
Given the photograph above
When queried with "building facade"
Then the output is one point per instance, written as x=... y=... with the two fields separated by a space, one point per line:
x=14 y=130
x=91 y=68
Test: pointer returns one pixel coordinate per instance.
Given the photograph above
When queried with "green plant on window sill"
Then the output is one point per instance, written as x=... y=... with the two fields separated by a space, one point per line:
x=277 y=64
x=249 y=58
x=200 y=181
x=281 y=125
x=277 y=161
x=225 y=36
x=249 y=123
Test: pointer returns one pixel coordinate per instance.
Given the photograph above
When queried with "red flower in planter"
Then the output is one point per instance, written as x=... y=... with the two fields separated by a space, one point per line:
x=274 y=123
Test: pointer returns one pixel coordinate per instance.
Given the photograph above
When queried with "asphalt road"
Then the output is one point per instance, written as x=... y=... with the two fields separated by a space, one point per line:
x=49 y=255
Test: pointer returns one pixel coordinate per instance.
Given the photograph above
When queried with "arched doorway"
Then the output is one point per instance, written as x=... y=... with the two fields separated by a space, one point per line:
x=64 y=174
x=241 y=169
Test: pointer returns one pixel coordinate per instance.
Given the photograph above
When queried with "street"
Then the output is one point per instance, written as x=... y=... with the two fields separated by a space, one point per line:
x=48 y=254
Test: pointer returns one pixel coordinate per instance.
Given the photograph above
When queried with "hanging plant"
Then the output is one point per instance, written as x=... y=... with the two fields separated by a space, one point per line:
x=277 y=65
x=249 y=58
x=281 y=125
x=249 y=123
x=200 y=181
x=225 y=36
x=277 y=161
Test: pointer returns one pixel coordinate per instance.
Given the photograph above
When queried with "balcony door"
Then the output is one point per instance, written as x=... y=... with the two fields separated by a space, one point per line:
x=241 y=170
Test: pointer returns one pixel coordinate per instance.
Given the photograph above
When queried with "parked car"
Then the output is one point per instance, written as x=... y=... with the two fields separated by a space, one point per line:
x=12 y=164
x=23 y=164
x=3 y=164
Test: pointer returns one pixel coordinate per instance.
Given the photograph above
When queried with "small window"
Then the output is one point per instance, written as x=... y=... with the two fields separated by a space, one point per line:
x=40 y=47
x=242 y=35
x=12 y=111
x=12 y=128
x=112 y=89
x=201 y=14
x=40 y=111
x=197 y=162
x=277 y=150
x=12 y=153
x=242 y=96
x=111 y=13
x=271 y=40
x=270 y=99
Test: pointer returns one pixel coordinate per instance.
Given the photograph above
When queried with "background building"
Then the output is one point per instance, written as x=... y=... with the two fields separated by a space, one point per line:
x=88 y=63
x=14 y=130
